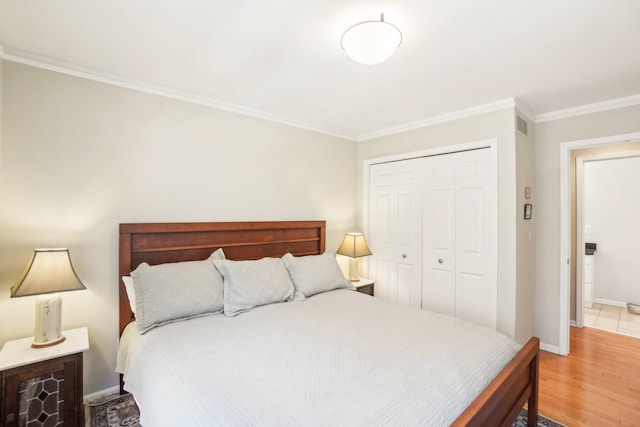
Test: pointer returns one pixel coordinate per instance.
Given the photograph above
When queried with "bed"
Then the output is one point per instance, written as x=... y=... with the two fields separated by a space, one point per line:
x=335 y=358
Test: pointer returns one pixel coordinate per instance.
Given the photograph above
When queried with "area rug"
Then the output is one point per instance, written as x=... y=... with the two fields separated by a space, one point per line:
x=122 y=411
x=119 y=411
x=543 y=421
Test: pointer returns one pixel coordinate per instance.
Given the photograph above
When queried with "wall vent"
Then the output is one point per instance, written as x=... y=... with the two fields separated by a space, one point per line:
x=521 y=125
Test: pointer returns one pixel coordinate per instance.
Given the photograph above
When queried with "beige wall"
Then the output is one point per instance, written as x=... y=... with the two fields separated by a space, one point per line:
x=497 y=125
x=549 y=136
x=78 y=157
x=525 y=234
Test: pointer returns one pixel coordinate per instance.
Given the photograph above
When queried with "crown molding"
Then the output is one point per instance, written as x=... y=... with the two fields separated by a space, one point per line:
x=442 y=118
x=27 y=58
x=597 y=107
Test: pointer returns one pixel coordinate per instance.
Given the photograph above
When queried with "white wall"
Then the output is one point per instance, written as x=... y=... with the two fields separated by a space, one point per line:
x=498 y=125
x=79 y=157
x=549 y=136
x=611 y=207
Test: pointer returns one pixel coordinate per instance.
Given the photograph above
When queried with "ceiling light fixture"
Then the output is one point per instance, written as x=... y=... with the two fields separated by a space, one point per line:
x=371 y=42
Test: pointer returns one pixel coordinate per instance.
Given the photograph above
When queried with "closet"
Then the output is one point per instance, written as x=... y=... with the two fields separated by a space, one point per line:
x=432 y=228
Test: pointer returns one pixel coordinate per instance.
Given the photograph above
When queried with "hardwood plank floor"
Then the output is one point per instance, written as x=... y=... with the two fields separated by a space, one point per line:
x=598 y=384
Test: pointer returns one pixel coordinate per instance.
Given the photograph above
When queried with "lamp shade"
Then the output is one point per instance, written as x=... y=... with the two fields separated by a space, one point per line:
x=48 y=271
x=354 y=246
x=371 y=42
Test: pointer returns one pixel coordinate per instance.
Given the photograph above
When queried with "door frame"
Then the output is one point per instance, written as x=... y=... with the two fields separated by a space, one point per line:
x=566 y=211
x=491 y=144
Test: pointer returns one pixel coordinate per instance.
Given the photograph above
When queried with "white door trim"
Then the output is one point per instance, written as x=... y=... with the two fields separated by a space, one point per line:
x=565 y=226
x=579 y=242
x=491 y=144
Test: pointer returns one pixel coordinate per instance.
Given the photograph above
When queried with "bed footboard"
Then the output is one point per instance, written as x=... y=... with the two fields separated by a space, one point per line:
x=500 y=403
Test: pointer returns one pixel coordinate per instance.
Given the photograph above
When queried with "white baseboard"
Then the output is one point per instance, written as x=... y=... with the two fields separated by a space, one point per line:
x=551 y=348
x=101 y=394
x=610 y=302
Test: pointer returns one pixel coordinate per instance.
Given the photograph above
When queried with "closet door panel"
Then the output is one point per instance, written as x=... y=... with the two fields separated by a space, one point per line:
x=381 y=220
x=438 y=236
x=469 y=239
x=475 y=279
x=406 y=283
x=384 y=280
x=471 y=298
x=440 y=225
x=409 y=246
x=394 y=228
x=439 y=295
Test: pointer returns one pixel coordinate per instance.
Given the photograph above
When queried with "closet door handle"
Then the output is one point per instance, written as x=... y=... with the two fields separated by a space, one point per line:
x=404 y=255
x=439 y=260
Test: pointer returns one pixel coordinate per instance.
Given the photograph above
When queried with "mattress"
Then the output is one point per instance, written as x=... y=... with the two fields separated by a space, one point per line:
x=340 y=358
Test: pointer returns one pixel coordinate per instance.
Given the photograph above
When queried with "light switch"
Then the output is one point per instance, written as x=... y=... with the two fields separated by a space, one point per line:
x=587 y=229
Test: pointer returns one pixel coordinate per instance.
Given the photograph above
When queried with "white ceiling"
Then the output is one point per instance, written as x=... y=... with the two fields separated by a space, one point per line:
x=282 y=60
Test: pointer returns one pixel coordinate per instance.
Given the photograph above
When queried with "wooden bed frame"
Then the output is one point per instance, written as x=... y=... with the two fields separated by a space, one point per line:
x=498 y=405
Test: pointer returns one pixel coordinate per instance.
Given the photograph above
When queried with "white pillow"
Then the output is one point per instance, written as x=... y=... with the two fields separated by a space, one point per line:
x=131 y=293
x=169 y=292
x=313 y=274
x=249 y=284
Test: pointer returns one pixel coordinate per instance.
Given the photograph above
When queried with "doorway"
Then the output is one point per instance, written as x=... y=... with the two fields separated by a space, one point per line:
x=606 y=205
x=571 y=298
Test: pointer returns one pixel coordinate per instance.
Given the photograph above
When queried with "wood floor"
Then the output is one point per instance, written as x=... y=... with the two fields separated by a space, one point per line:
x=598 y=384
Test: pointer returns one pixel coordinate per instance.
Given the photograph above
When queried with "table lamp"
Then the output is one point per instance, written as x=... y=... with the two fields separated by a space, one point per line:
x=354 y=246
x=49 y=271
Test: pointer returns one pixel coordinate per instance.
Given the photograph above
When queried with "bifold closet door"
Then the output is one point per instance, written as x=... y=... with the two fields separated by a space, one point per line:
x=459 y=236
x=395 y=219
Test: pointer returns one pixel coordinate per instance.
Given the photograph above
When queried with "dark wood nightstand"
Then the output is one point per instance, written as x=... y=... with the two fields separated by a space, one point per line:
x=43 y=386
x=365 y=286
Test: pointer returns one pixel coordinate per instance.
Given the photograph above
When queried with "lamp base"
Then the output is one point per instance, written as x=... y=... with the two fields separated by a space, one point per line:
x=48 y=343
x=353 y=270
x=48 y=330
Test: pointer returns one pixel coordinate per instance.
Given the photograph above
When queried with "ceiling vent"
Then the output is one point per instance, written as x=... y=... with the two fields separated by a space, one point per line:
x=521 y=125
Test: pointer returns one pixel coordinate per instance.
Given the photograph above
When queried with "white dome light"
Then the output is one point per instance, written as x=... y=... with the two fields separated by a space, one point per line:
x=371 y=42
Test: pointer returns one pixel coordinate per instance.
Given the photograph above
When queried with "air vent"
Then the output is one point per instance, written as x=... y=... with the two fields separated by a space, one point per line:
x=521 y=125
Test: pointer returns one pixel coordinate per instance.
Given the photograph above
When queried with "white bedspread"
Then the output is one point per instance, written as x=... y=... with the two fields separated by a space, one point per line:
x=336 y=359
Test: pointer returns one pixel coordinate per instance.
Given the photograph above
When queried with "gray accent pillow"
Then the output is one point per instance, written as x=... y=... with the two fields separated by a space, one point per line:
x=249 y=284
x=170 y=292
x=313 y=274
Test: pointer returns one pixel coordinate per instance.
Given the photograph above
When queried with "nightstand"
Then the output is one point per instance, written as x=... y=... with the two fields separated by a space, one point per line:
x=43 y=386
x=365 y=286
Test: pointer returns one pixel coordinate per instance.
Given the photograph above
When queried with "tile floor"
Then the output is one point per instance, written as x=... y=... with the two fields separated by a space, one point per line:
x=613 y=319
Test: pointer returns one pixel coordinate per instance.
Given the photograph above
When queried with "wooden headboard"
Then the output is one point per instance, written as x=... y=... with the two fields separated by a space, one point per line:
x=157 y=243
